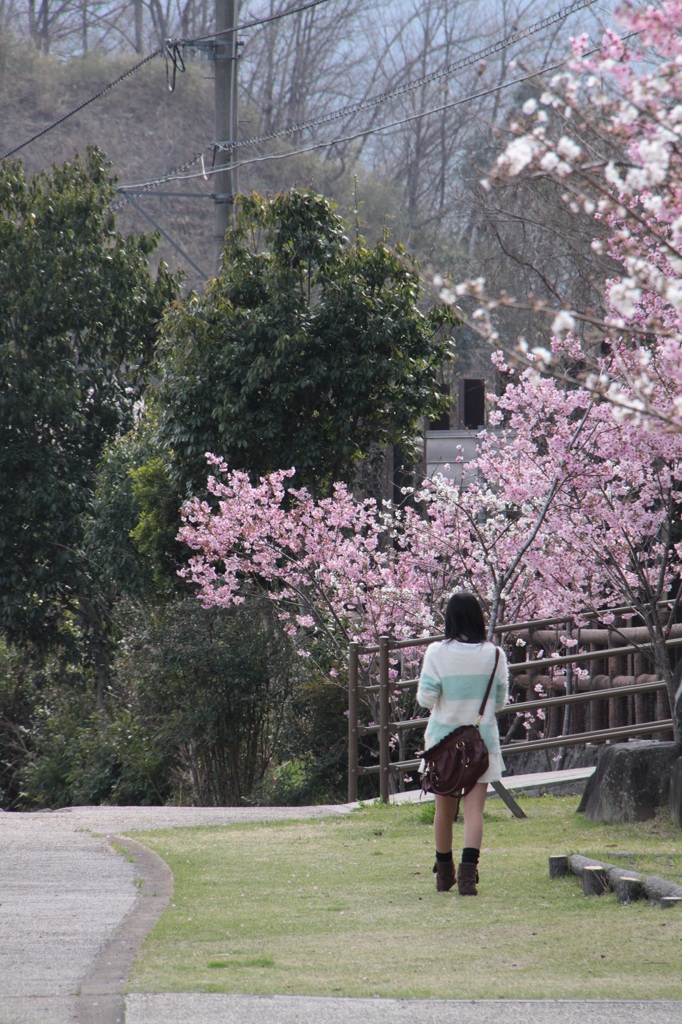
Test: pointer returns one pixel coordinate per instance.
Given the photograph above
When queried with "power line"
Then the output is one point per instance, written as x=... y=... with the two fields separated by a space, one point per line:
x=403 y=120
x=171 y=48
x=328 y=143
x=375 y=101
x=175 y=174
x=417 y=83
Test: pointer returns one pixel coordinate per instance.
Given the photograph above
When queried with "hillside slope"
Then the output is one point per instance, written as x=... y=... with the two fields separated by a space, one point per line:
x=146 y=131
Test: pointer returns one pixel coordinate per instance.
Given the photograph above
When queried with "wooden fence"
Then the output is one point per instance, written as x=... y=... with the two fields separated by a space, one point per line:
x=616 y=699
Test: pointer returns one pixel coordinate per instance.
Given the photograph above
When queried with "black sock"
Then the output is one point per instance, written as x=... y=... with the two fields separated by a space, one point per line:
x=444 y=856
x=470 y=855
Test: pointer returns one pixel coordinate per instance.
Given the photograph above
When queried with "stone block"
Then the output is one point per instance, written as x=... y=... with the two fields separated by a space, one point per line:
x=631 y=782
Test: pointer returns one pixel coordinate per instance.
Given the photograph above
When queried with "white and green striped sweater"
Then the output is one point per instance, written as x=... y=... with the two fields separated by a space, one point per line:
x=452 y=684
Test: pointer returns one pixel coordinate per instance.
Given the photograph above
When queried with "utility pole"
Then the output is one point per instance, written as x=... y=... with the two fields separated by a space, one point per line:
x=225 y=180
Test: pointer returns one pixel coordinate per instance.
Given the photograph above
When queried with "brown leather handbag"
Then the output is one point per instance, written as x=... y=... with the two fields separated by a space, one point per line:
x=453 y=766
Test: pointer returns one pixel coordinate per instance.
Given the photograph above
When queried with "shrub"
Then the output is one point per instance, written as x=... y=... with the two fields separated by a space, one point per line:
x=212 y=688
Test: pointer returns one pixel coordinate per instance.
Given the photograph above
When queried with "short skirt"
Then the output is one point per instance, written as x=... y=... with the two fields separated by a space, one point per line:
x=496 y=767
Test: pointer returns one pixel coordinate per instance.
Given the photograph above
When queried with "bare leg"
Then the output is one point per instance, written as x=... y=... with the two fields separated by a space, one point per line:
x=443 y=821
x=472 y=805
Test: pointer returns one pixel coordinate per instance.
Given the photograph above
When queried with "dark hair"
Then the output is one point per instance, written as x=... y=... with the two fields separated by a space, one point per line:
x=464 y=619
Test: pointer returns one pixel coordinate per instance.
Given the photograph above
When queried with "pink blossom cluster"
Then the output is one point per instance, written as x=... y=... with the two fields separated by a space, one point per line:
x=337 y=567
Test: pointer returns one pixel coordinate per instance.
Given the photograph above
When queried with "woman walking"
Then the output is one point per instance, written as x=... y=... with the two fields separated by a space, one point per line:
x=452 y=684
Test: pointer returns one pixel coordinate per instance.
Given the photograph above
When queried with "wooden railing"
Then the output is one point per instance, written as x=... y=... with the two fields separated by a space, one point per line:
x=628 y=704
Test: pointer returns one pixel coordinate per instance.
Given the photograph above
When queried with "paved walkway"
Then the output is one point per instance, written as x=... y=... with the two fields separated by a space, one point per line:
x=300 y=1010
x=73 y=911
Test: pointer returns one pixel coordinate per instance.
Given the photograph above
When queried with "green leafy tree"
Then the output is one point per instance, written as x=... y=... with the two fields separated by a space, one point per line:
x=305 y=351
x=78 y=315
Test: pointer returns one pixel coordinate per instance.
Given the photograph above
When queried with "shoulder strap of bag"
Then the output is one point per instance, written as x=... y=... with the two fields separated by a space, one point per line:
x=488 y=688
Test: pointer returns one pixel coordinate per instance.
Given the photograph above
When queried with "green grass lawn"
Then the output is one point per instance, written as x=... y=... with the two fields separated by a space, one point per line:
x=348 y=906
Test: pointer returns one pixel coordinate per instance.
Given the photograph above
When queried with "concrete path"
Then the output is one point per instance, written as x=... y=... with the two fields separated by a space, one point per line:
x=74 y=909
x=186 y=1009
x=61 y=896
x=77 y=898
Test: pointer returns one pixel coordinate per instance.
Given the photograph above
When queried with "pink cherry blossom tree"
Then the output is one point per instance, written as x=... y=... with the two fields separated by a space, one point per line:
x=565 y=510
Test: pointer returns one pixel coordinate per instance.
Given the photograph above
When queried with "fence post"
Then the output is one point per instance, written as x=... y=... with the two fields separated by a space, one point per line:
x=353 y=715
x=384 y=711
